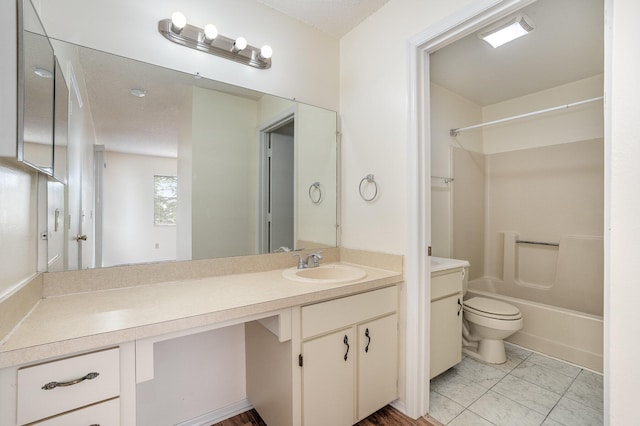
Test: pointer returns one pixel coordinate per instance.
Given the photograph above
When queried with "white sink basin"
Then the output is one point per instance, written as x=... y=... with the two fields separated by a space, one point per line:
x=325 y=274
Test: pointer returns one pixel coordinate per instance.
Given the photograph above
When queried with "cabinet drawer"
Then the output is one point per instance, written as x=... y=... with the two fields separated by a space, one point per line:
x=334 y=314
x=446 y=284
x=35 y=403
x=104 y=414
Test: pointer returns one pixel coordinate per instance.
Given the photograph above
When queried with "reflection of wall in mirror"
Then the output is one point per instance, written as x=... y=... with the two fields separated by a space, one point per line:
x=79 y=154
x=38 y=154
x=316 y=162
x=130 y=236
x=55 y=226
x=224 y=161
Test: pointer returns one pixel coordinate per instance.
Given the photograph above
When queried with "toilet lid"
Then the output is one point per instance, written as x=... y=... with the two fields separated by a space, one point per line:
x=491 y=307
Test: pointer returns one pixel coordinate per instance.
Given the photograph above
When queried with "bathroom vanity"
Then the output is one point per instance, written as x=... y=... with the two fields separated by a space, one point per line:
x=447 y=276
x=309 y=345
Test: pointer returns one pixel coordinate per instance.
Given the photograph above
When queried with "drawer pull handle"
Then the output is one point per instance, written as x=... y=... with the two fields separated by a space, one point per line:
x=53 y=385
x=346 y=342
x=366 y=334
x=459 y=306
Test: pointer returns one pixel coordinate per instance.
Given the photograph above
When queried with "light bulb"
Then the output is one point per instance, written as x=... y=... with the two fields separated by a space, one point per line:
x=266 y=52
x=241 y=43
x=210 y=33
x=178 y=21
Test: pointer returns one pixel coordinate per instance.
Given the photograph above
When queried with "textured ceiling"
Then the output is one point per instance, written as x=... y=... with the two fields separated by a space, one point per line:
x=335 y=17
x=566 y=45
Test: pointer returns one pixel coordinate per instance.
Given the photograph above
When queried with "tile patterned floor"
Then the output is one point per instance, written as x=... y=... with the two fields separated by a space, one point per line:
x=529 y=389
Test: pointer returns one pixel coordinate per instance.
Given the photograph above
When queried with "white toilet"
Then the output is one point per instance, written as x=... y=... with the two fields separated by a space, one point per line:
x=486 y=322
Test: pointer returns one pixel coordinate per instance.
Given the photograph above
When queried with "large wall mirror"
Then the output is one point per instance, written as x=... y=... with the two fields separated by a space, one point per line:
x=190 y=168
x=36 y=70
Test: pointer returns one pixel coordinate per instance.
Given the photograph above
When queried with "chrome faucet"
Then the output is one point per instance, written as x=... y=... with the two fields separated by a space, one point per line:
x=313 y=260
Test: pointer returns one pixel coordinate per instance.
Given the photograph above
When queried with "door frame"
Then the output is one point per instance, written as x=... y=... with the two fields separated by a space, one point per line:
x=466 y=20
x=264 y=129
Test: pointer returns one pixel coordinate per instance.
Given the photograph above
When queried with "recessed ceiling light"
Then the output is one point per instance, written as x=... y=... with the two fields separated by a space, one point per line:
x=44 y=73
x=138 y=93
x=506 y=31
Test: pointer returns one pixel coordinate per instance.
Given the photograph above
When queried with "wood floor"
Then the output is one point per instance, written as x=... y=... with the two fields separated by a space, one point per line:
x=387 y=416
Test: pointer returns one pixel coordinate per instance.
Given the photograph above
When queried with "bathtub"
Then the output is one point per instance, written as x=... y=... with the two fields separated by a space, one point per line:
x=567 y=334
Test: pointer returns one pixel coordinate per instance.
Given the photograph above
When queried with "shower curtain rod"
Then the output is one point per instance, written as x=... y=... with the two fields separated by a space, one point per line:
x=454 y=132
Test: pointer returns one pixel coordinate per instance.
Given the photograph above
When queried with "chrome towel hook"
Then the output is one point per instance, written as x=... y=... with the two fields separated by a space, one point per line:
x=369 y=179
x=315 y=193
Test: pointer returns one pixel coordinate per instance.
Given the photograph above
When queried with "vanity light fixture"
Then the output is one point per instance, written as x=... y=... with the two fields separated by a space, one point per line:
x=178 y=21
x=208 y=40
x=506 y=31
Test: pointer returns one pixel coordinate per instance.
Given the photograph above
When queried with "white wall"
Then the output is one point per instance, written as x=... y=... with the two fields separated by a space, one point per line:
x=448 y=110
x=622 y=233
x=18 y=225
x=374 y=110
x=193 y=376
x=583 y=122
x=305 y=60
x=129 y=234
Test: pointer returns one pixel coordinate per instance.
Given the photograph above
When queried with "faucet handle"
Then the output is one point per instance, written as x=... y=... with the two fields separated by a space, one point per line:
x=314 y=259
x=301 y=264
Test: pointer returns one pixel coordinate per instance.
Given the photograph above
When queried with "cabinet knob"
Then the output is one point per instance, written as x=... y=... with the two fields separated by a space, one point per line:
x=368 y=336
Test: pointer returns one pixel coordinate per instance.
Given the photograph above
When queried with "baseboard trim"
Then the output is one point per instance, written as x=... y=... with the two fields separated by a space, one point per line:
x=216 y=416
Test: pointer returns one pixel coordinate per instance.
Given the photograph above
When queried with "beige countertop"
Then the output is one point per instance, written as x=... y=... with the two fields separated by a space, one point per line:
x=69 y=323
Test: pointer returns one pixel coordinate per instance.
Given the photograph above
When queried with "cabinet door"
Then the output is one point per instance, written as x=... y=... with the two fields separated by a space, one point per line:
x=377 y=364
x=446 y=334
x=328 y=380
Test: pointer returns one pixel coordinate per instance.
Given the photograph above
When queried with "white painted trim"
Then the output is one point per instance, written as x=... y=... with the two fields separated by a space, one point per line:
x=264 y=129
x=608 y=137
x=216 y=416
x=417 y=267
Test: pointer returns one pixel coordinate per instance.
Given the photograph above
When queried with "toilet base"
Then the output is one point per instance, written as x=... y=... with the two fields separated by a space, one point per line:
x=487 y=350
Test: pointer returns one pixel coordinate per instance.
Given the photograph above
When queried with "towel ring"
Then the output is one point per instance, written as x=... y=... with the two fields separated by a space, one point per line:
x=368 y=179
x=315 y=186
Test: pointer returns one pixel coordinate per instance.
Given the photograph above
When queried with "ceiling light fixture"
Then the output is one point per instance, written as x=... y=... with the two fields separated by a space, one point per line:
x=138 y=93
x=506 y=31
x=208 y=40
x=41 y=72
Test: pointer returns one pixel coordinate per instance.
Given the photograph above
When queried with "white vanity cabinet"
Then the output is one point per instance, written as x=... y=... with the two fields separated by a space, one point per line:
x=342 y=362
x=61 y=386
x=349 y=357
x=446 y=320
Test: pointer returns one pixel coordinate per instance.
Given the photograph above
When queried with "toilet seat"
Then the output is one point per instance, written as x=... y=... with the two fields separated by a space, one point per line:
x=490 y=308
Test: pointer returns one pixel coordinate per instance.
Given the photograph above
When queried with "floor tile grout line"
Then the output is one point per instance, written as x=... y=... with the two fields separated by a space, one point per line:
x=562 y=396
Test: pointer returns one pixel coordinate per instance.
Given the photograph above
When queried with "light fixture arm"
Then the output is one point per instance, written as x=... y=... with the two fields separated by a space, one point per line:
x=193 y=37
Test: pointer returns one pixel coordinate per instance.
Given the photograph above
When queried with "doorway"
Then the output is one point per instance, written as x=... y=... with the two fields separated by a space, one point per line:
x=417 y=264
x=277 y=176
